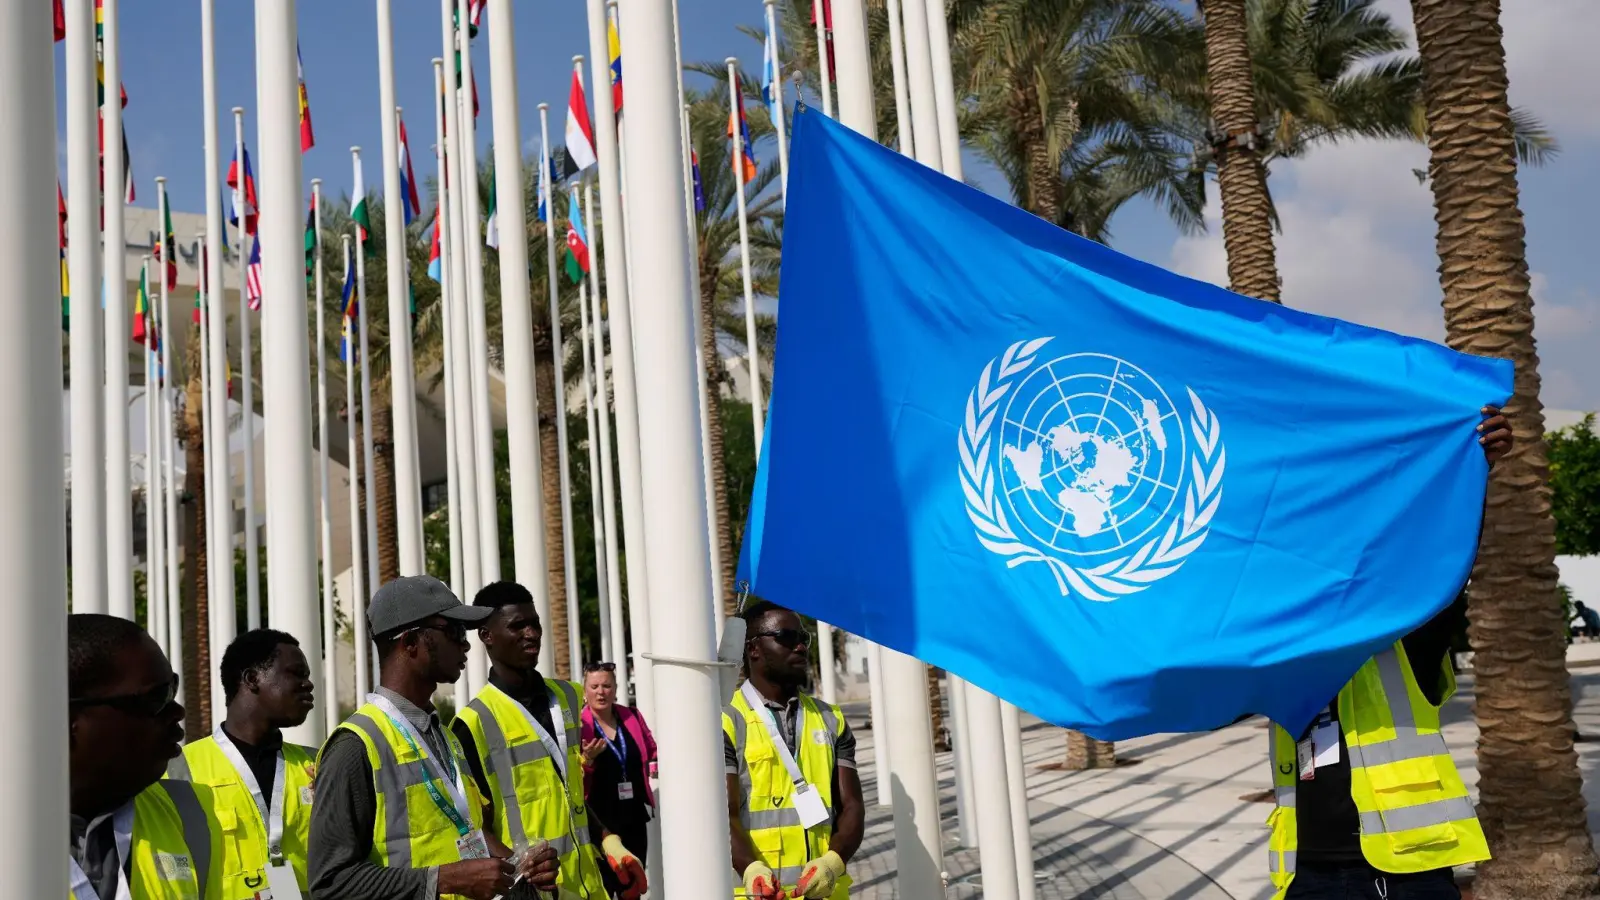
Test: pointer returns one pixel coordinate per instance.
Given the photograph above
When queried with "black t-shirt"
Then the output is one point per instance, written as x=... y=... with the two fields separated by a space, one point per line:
x=262 y=759
x=1329 y=826
x=618 y=812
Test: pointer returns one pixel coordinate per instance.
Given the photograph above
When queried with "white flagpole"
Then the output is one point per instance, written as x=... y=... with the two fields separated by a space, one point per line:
x=897 y=63
x=516 y=316
x=460 y=560
x=752 y=346
x=455 y=297
x=119 y=508
x=402 y=377
x=247 y=396
x=904 y=711
x=616 y=621
x=368 y=449
x=718 y=589
x=558 y=348
x=330 y=656
x=155 y=611
x=597 y=512
x=219 y=461
x=684 y=642
x=823 y=79
x=943 y=88
x=778 y=121
x=169 y=492
x=613 y=242
x=358 y=577
x=85 y=338
x=477 y=315
x=1017 y=787
x=291 y=528
x=32 y=548
x=208 y=436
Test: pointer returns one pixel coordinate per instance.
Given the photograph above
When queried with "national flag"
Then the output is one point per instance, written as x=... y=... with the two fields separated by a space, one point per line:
x=142 y=326
x=349 y=299
x=167 y=249
x=61 y=216
x=66 y=290
x=435 y=259
x=358 y=210
x=745 y=149
x=252 y=275
x=545 y=170
x=699 y=187
x=615 y=44
x=827 y=28
x=475 y=12
x=307 y=139
x=408 y=178
x=311 y=240
x=244 y=197
x=562 y=166
x=577 y=241
x=127 y=171
x=61 y=242
x=60 y=19
x=227 y=368
x=1176 y=502
x=580 y=137
x=771 y=84
x=491 y=231
x=347 y=342
x=201 y=287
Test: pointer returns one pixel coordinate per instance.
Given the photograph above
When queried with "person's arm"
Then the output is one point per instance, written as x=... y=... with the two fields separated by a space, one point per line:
x=743 y=850
x=850 y=812
x=338 y=866
x=1427 y=647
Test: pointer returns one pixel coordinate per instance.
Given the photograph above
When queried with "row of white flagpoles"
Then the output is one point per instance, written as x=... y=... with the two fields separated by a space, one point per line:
x=673 y=600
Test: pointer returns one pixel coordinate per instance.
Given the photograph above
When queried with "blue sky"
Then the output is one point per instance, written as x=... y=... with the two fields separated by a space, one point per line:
x=1358 y=228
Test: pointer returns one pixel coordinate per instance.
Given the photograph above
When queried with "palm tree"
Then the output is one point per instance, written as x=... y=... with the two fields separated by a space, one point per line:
x=196 y=608
x=1531 y=801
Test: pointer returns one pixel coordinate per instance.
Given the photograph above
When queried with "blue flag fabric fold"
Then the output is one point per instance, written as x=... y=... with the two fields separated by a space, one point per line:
x=1127 y=501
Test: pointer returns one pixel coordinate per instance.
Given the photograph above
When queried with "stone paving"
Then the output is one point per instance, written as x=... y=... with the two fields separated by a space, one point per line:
x=1178 y=819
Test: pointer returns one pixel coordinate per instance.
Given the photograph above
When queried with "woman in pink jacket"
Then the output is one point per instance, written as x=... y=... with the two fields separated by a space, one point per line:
x=619 y=759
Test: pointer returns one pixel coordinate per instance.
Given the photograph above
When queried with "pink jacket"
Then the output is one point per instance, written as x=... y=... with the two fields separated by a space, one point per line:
x=639 y=736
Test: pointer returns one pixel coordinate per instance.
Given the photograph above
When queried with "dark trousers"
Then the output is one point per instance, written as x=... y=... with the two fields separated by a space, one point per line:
x=1359 y=881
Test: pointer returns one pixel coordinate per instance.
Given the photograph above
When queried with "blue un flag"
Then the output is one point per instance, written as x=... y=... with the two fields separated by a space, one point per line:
x=1124 y=500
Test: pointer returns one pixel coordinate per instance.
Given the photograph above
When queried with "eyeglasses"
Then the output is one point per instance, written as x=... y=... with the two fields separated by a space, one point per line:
x=455 y=631
x=591 y=668
x=147 y=704
x=787 y=637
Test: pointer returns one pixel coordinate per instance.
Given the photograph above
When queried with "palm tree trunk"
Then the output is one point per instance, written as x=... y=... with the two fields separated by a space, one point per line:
x=1246 y=207
x=196 y=664
x=709 y=274
x=544 y=380
x=383 y=485
x=1530 y=789
x=941 y=741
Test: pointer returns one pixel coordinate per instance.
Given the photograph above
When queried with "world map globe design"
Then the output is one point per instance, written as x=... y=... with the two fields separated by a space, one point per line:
x=1092 y=455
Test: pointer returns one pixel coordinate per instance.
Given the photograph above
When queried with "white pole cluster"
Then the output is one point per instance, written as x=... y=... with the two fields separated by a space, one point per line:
x=612 y=621
x=368 y=450
x=330 y=668
x=358 y=569
x=219 y=490
x=247 y=388
x=119 y=509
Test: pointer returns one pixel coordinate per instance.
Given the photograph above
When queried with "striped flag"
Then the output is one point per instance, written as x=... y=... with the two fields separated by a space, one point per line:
x=347 y=342
x=699 y=189
x=244 y=194
x=358 y=209
x=435 y=262
x=615 y=44
x=408 y=178
x=349 y=299
x=491 y=232
x=142 y=327
x=167 y=249
x=580 y=137
x=743 y=124
x=577 y=241
x=307 y=139
x=252 y=275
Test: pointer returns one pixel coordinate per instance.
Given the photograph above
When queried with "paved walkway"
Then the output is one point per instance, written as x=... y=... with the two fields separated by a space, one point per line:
x=1174 y=821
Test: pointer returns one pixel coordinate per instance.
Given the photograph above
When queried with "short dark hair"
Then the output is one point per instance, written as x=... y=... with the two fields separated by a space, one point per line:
x=502 y=593
x=252 y=651
x=93 y=642
x=752 y=616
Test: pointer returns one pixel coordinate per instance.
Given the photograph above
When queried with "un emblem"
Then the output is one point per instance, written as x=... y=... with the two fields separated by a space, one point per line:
x=1084 y=463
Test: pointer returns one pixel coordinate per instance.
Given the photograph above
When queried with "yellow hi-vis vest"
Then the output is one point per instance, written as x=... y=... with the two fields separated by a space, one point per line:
x=244 y=835
x=176 y=845
x=409 y=830
x=766 y=802
x=1414 y=809
x=533 y=802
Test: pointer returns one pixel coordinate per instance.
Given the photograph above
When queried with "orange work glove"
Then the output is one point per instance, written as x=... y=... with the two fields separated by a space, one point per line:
x=760 y=883
x=819 y=876
x=626 y=866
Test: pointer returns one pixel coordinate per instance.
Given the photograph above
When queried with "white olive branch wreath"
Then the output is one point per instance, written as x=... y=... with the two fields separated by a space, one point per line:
x=1130 y=574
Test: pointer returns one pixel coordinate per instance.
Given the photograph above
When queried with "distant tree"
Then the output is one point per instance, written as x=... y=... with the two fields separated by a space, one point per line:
x=1575 y=487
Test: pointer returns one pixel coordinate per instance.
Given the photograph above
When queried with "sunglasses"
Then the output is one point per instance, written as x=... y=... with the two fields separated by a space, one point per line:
x=789 y=638
x=455 y=631
x=591 y=668
x=146 y=704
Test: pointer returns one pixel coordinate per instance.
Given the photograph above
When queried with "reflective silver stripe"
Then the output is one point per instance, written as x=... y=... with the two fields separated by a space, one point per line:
x=1422 y=815
x=1273 y=857
x=501 y=764
x=561 y=845
x=390 y=779
x=1284 y=796
x=788 y=874
x=572 y=724
x=196 y=830
x=178 y=769
x=740 y=736
x=1395 y=694
x=770 y=818
x=829 y=720
x=1404 y=747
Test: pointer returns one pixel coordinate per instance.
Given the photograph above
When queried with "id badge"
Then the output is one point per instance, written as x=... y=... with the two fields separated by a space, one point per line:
x=282 y=883
x=809 y=804
x=624 y=790
x=1306 y=759
x=472 y=845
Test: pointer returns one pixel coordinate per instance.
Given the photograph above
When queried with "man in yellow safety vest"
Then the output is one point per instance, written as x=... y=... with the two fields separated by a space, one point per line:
x=394 y=818
x=521 y=735
x=132 y=835
x=262 y=785
x=794 y=798
x=1369 y=803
